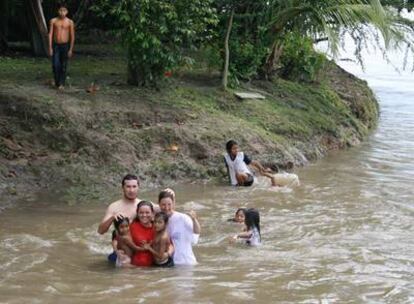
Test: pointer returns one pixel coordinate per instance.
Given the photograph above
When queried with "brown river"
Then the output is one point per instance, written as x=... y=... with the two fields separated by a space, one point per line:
x=345 y=236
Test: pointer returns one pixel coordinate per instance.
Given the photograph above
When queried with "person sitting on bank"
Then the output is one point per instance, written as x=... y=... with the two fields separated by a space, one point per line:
x=239 y=166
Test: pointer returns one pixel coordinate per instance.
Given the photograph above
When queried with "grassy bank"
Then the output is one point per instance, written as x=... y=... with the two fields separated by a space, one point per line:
x=88 y=140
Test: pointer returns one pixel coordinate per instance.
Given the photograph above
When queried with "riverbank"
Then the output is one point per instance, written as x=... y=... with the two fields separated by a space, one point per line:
x=85 y=138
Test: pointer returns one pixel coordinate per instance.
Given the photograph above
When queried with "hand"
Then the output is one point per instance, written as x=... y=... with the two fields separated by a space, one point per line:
x=192 y=214
x=233 y=239
x=118 y=216
x=50 y=52
x=70 y=53
x=146 y=246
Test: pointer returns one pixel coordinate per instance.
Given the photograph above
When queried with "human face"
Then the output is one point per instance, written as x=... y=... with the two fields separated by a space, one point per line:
x=62 y=12
x=167 y=205
x=159 y=224
x=123 y=229
x=130 y=189
x=234 y=150
x=239 y=217
x=145 y=215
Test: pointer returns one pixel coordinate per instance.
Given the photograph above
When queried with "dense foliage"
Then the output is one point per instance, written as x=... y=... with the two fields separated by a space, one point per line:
x=155 y=32
x=244 y=38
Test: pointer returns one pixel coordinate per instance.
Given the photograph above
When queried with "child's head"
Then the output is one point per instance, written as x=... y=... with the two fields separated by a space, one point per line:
x=239 y=215
x=62 y=10
x=160 y=221
x=232 y=147
x=252 y=219
x=122 y=225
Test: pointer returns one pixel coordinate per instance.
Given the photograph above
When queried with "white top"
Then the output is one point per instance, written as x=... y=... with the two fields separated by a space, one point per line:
x=180 y=230
x=236 y=165
x=254 y=239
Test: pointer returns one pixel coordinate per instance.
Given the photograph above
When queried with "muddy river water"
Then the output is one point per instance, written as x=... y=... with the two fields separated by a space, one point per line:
x=345 y=236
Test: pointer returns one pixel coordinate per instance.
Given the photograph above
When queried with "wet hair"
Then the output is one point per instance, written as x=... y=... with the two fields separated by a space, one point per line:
x=130 y=177
x=162 y=215
x=252 y=219
x=235 y=214
x=230 y=145
x=144 y=203
x=120 y=221
x=62 y=5
x=240 y=209
x=165 y=194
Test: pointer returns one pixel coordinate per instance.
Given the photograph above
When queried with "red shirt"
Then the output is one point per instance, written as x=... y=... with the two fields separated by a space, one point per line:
x=140 y=233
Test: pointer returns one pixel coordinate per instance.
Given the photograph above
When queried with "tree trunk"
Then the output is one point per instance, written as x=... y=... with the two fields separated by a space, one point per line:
x=273 y=59
x=83 y=7
x=225 y=73
x=38 y=28
x=135 y=73
x=4 y=18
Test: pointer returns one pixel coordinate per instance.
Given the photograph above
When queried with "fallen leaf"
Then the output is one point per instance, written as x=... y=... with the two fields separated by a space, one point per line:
x=172 y=148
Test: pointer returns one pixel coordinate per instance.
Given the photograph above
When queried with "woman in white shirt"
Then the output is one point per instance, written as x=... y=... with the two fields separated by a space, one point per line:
x=183 y=229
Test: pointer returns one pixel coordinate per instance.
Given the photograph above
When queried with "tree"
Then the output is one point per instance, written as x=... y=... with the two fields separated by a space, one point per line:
x=38 y=28
x=225 y=73
x=4 y=18
x=156 y=33
x=240 y=40
x=261 y=30
x=331 y=19
x=80 y=12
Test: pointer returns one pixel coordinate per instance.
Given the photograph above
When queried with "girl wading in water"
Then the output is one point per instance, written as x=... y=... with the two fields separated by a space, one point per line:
x=252 y=235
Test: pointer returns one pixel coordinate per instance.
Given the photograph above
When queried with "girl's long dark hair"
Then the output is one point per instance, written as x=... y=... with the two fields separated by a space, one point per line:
x=252 y=219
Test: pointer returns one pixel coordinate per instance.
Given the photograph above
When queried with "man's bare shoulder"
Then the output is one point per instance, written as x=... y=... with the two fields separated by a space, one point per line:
x=116 y=203
x=121 y=202
x=53 y=20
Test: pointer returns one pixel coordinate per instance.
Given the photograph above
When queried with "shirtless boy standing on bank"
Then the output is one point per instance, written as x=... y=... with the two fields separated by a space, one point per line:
x=61 y=42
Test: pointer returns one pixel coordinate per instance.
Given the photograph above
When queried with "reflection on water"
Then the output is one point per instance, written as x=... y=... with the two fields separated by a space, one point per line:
x=344 y=236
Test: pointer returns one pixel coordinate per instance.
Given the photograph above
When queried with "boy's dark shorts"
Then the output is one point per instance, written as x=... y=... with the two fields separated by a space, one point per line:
x=169 y=263
x=112 y=257
x=248 y=182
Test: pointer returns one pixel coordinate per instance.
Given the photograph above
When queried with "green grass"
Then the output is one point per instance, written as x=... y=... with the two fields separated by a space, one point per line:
x=97 y=132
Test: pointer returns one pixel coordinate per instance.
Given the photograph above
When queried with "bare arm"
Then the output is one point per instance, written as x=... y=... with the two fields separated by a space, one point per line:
x=196 y=224
x=161 y=254
x=128 y=241
x=51 y=26
x=107 y=220
x=171 y=248
x=244 y=235
x=72 y=38
x=258 y=166
x=115 y=245
x=105 y=224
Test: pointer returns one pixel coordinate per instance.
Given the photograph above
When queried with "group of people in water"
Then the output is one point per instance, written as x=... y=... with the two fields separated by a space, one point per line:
x=148 y=234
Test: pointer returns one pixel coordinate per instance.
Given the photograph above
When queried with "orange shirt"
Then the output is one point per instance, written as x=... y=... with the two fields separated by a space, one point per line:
x=140 y=233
